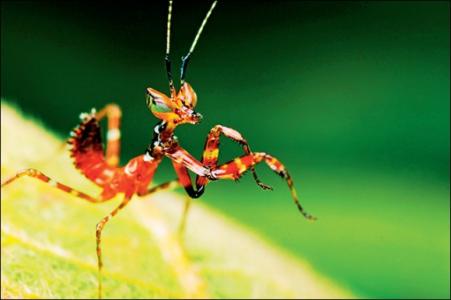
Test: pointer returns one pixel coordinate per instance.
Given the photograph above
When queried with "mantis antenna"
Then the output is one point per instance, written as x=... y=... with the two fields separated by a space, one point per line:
x=185 y=58
x=168 y=45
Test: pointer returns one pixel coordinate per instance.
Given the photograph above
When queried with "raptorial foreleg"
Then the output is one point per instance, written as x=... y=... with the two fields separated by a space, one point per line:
x=211 y=151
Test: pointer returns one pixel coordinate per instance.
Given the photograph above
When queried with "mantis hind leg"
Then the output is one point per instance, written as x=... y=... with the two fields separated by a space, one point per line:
x=99 y=229
x=41 y=176
x=113 y=113
x=113 y=148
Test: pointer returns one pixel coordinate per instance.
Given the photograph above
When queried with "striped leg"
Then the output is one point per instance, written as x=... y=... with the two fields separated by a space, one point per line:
x=211 y=151
x=41 y=176
x=99 y=229
x=234 y=170
x=113 y=112
x=113 y=149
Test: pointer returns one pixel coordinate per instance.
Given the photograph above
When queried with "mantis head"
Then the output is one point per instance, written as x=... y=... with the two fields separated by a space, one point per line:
x=177 y=109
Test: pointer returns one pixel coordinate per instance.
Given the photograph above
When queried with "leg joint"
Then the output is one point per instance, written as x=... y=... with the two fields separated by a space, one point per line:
x=114 y=109
x=31 y=172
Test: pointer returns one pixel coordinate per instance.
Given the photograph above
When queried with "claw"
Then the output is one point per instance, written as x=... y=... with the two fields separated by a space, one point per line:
x=265 y=186
x=310 y=217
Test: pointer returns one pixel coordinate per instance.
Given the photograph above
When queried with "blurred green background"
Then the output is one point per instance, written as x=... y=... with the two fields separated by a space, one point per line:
x=352 y=96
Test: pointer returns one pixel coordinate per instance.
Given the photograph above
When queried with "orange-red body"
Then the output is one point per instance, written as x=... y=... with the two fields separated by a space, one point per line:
x=88 y=155
x=101 y=166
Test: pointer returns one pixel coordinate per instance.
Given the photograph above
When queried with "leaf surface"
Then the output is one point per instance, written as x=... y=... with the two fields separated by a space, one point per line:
x=48 y=238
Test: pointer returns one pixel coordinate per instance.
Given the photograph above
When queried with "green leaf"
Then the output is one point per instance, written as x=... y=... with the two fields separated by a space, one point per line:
x=48 y=238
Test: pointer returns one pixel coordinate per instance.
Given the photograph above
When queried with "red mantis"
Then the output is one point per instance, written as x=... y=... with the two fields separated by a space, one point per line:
x=102 y=167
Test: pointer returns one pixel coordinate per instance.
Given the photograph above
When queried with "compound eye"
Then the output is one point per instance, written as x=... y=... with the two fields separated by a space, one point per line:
x=158 y=106
x=156 y=101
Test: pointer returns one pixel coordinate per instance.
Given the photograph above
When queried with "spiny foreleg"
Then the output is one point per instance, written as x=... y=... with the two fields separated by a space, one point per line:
x=211 y=151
